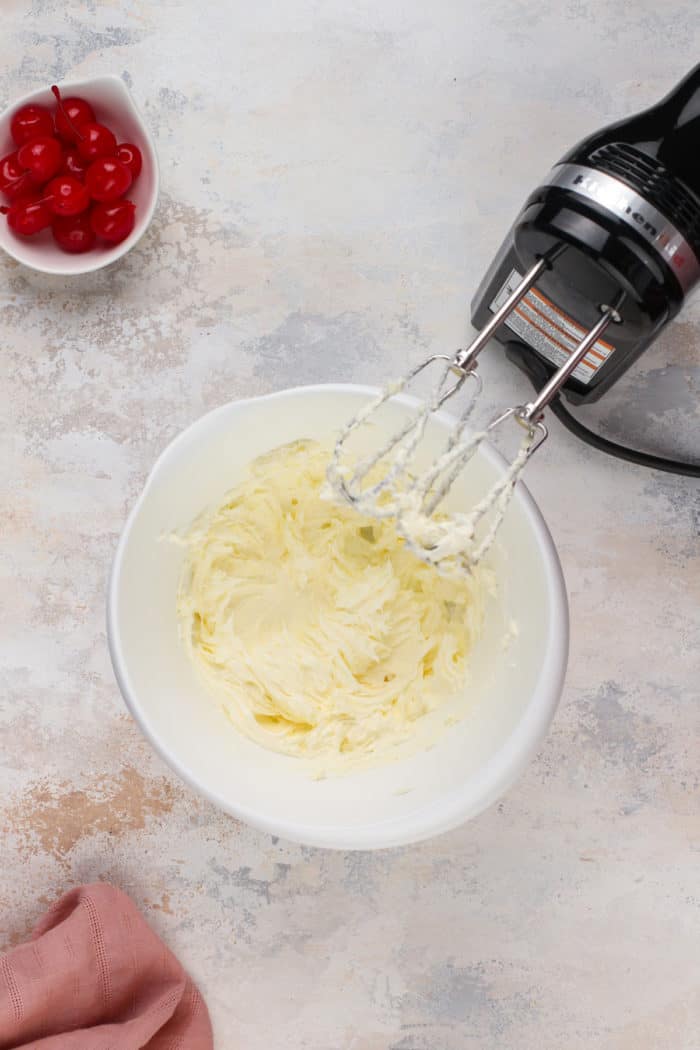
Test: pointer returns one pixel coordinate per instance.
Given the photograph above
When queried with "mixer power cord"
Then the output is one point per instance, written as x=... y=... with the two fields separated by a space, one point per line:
x=538 y=376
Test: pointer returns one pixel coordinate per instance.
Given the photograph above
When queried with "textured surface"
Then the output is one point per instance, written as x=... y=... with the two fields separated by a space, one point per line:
x=336 y=176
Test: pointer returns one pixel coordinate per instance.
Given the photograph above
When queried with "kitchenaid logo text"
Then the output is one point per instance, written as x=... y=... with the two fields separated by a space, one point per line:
x=621 y=203
x=621 y=200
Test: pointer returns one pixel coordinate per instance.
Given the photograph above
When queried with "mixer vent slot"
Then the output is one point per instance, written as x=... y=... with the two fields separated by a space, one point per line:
x=653 y=181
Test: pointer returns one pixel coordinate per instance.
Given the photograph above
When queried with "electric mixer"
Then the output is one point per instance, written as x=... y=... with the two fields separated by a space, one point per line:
x=598 y=261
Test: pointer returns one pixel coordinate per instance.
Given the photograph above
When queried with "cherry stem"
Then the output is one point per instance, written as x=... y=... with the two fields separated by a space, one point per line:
x=57 y=95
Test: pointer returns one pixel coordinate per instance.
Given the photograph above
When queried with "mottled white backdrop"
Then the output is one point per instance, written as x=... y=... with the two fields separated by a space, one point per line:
x=336 y=176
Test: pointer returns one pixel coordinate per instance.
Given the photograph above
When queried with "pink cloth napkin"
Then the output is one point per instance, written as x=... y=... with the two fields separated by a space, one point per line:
x=96 y=977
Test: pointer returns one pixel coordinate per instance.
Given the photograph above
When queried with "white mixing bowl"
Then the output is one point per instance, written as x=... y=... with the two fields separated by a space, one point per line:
x=514 y=687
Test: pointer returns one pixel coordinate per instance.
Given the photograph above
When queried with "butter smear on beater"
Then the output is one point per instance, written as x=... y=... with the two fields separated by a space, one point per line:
x=320 y=633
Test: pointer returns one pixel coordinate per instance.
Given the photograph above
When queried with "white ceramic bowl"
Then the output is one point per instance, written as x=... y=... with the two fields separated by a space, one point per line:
x=514 y=691
x=114 y=106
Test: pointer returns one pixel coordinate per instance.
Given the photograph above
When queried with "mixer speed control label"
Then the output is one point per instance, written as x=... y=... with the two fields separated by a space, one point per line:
x=550 y=331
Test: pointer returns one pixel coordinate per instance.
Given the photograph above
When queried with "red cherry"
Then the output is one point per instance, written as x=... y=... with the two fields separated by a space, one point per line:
x=41 y=157
x=29 y=122
x=73 y=164
x=65 y=195
x=14 y=180
x=96 y=141
x=107 y=179
x=73 y=233
x=130 y=157
x=27 y=215
x=113 y=222
x=72 y=114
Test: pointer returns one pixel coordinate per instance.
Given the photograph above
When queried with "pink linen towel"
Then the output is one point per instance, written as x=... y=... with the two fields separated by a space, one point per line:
x=95 y=976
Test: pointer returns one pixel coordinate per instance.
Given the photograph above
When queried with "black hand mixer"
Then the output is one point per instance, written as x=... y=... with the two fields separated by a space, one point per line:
x=598 y=261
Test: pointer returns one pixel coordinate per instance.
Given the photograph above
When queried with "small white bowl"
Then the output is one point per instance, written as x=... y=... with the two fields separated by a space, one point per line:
x=114 y=106
x=513 y=690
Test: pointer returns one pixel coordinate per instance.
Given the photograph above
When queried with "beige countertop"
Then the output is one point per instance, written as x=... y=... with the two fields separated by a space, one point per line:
x=336 y=178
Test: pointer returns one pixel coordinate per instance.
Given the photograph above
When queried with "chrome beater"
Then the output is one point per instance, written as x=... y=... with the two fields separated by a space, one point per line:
x=450 y=541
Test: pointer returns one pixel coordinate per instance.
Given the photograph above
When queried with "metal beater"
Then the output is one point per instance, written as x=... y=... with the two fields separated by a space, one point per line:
x=412 y=500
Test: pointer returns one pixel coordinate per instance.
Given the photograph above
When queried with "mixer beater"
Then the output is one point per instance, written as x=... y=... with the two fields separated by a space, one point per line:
x=450 y=542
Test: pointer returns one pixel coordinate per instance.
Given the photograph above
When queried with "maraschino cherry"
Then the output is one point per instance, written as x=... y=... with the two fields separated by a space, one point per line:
x=41 y=157
x=73 y=233
x=130 y=157
x=66 y=195
x=29 y=122
x=27 y=215
x=96 y=141
x=71 y=114
x=15 y=180
x=107 y=179
x=73 y=164
x=113 y=222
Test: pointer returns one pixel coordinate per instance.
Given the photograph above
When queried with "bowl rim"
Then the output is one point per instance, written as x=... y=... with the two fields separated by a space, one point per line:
x=98 y=262
x=452 y=809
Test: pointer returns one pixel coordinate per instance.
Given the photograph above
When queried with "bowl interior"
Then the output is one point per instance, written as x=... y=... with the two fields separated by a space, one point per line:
x=514 y=686
x=113 y=106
